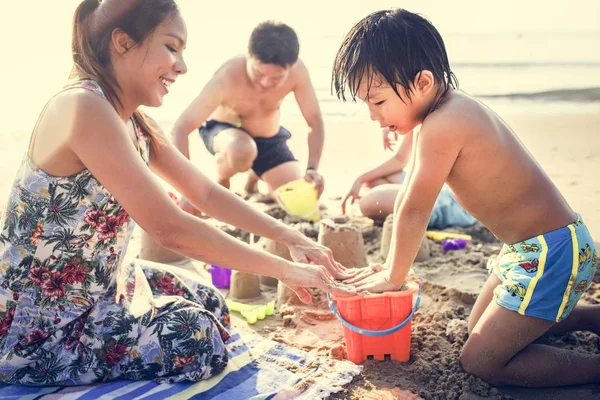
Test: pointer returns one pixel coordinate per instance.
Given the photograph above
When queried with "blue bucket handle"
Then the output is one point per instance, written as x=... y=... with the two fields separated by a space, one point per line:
x=384 y=332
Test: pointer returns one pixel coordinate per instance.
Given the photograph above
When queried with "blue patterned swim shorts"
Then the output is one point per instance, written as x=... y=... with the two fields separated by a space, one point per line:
x=545 y=276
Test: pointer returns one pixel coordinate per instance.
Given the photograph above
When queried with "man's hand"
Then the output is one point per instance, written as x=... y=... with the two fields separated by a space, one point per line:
x=390 y=138
x=353 y=194
x=317 y=179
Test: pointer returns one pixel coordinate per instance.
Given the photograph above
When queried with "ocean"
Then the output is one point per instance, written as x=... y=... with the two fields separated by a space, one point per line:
x=538 y=59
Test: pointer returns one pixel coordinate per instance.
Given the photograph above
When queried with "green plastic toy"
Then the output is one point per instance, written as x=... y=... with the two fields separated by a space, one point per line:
x=251 y=312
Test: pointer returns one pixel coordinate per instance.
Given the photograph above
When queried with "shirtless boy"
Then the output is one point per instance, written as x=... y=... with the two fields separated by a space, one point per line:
x=238 y=113
x=396 y=62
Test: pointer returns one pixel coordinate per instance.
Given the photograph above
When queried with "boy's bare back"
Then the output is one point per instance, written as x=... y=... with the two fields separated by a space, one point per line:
x=494 y=176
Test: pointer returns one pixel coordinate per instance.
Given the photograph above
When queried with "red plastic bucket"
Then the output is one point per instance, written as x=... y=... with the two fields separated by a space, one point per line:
x=378 y=325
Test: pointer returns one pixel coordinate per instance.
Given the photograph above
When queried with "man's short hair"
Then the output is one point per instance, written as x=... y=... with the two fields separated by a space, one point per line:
x=274 y=43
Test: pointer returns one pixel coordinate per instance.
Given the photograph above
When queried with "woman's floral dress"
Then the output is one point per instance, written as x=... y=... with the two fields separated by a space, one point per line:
x=72 y=312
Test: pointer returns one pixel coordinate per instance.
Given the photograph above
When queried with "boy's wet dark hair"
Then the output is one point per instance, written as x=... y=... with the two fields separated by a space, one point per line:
x=274 y=43
x=395 y=44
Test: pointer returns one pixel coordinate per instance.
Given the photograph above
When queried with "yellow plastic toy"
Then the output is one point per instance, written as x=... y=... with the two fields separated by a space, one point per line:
x=299 y=198
x=252 y=313
x=437 y=235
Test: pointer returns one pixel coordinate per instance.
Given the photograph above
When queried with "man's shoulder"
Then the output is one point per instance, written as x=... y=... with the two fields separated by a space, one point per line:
x=299 y=68
x=232 y=69
x=237 y=61
x=299 y=75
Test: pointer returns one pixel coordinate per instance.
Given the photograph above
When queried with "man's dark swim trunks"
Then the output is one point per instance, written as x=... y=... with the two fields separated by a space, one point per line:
x=272 y=151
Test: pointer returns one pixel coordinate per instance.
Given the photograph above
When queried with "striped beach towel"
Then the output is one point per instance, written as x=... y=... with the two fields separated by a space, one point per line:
x=258 y=369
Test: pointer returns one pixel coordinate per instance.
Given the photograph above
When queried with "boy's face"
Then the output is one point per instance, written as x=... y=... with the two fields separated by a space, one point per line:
x=265 y=77
x=387 y=108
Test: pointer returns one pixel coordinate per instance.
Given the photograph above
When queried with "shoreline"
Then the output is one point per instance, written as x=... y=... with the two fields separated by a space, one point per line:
x=566 y=145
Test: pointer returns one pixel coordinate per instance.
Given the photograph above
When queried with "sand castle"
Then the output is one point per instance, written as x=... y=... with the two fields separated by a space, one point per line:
x=386 y=239
x=345 y=241
x=244 y=285
x=276 y=249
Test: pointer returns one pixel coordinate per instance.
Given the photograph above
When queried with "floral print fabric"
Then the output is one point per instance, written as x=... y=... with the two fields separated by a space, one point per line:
x=73 y=312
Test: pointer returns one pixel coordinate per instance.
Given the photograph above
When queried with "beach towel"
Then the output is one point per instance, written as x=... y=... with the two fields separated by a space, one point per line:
x=258 y=369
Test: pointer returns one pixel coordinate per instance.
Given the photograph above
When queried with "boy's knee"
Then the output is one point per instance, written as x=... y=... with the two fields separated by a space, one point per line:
x=472 y=365
x=471 y=322
x=475 y=362
x=370 y=207
x=366 y=208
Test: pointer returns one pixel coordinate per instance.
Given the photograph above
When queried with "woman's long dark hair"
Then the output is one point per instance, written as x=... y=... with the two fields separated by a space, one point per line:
x=93 y=24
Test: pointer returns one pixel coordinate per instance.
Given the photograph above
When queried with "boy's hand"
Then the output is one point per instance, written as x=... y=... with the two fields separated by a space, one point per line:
x=365 y=273
x=353 y=194
x=388 y=141
x=377 y=283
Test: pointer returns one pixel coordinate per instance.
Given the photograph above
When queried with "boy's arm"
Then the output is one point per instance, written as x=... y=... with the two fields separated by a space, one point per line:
x=435 y=155
x=309 y=106
x=395 y=164
x=196 y=113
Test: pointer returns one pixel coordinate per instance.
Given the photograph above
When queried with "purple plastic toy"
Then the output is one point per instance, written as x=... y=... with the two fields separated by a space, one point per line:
x=221 y=277
x=454 y=244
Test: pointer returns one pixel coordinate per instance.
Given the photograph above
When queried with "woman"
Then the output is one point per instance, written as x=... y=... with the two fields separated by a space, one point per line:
x=71 y=312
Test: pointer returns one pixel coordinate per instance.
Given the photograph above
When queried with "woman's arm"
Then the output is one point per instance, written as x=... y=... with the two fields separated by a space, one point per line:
x=101 y=140
x=214 y=200
x=221 y=204
x=103 y=144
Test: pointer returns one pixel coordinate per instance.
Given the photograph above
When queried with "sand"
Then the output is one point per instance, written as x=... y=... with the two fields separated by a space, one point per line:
x=567 y=146
x=451 y=283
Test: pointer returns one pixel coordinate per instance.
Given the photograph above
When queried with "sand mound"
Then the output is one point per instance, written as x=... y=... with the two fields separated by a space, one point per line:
x=452 y=281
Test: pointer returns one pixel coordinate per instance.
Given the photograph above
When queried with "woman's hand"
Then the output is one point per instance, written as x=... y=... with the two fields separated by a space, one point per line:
x=353 y=194
x=300 y=276
x=305 y=250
